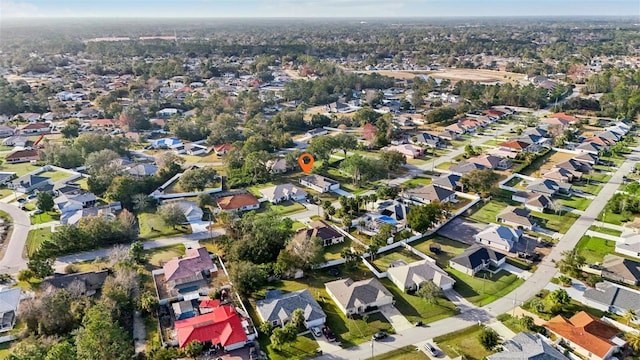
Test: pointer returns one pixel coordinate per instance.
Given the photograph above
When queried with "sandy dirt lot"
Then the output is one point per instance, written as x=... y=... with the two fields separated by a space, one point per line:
x=487 y=76
x=555 y=159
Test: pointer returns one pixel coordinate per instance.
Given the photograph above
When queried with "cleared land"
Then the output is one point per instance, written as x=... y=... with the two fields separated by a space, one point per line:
x=463 y=343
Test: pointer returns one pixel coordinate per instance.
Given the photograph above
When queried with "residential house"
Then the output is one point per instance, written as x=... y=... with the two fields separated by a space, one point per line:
x=518 y=218
x=142 y=170
x=357 y=297
x=600 y=141
x=190 y=209
x=452 y=182
x=6 y=131
x=87 y=114
x=477 y=258
x=189 y=271
x=589 y=158
x=411 y=276
x=279 y=193
x=608 y=135
x=549 y=187
x=183 y=309
x=30 y=117
x=464 y=167
x=319 y=183
x=105 y=124
x=35 y=128
x=340 y=108
x=223 y=327
x=195 y=149
x=586 y=335
x=533 y=202
x=21 y=156
x=322 y=230
x=6 y=176
x=427 y=194
x=515 y=145
x=456 y=128
x=562 y=123
x=613 y=298
x=277 y=308
x=73 y=201
x=589 y=147
x=498 y=237
x=576 y=167
x=16 y=140
x=167 y=112
x=526 y=346
x=166 y=143
x=238 y=202
x=73 y=217
x=9 y=302
x=559 y=175
x=29 y=182
x=428 y=140
x=277 y=166
x=629 y=243
x=562 y=116
x=449 y=135
x=535 y=141
x=491 y=162
x=620 y=269
x=494 y=114
x=317 y=132
x=85 y=284
x=222 y=149
x=408 y=150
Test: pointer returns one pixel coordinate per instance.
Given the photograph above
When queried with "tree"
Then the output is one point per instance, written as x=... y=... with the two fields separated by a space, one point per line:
x=136 y=252
x=203 y=200
x=197 y=179
x=488 y=338
x=40 y=266
x=44 y=202
x=171 y=214
x=283 y=335
x=423 y=218
x=193 y=349
x=556 y=300
x=345 y=142
x=480 y=181
x=297 y=318
x=393 y=160
x=630 y=316
x=62 y=351
x=141 y=202
x=102 y=338
x=246 y=276
x=633 y=339
x=149 y=302
x=306 y=251
x=429 y=291
x=71 y=129
x=571 y=263
x=527 y=322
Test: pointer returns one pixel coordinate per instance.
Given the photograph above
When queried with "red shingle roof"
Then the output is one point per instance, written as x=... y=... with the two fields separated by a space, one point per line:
x=586 y=331
x=235 y=202
x=21 y=154
x=515 y=144
x=563 y=116
x=221 y=326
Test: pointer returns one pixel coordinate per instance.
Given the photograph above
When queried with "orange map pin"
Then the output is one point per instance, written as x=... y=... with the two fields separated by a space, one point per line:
x=306 y=162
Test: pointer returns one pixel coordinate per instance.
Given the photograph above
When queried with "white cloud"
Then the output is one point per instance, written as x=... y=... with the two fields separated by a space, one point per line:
x=17 y=9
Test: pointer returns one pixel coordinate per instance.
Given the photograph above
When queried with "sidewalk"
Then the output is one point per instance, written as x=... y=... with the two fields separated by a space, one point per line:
x=602 y=236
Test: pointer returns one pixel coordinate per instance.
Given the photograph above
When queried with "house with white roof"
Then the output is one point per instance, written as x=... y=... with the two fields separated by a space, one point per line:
x=498 y=237
x=279 y=193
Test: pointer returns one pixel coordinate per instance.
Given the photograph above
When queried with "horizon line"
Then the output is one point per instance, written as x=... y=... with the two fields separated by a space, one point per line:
x=322 y=17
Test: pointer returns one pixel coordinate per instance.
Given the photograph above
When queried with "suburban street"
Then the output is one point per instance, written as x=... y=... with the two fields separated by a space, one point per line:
x=12 y=261
x=545 y=272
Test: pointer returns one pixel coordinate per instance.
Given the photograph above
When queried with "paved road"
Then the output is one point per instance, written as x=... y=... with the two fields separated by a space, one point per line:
x=12 y=262
x=546 y=271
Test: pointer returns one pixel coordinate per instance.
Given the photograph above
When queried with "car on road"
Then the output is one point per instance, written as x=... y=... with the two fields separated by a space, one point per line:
x=333 y=272
x=22 y=200
x=32 y=196
x=379 y=335
x=328 y=333
x=431 y=349
x=316 y=331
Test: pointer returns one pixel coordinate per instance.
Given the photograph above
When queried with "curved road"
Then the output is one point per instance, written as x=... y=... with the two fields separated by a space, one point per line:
x=12 y=262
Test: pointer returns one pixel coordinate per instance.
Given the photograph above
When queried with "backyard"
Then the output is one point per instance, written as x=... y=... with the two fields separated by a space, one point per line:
x=463 y=343
x=594 y=248
x=448 y=249
x=20 y=169
x=576 y=202
x=384 y=260
x=152 y=226
x=56 y=175
x=416 y=309
x=415 y=182
x=485 y=287
x=333 y=252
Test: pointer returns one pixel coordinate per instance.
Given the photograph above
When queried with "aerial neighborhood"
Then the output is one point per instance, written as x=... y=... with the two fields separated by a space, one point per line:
x=155 y=202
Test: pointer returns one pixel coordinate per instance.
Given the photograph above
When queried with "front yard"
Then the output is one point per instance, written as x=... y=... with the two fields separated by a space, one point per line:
x=35 y=238
x=555 y=222
x=404 y=353
x=56 y=175
x=158 y=256
x=304 y=347
x=594 y=248
x=463 y=343
x=287 y=207
x=485 y=287
x=152 y=226
x=45 y=217
x=415 y=182
x=415 y=308
x=576 y=202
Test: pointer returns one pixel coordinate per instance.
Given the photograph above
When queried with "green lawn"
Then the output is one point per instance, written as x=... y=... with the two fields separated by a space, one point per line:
x=418 y=161
x=163 y=254
x=304 y=347
x=5 y=350
x=83 y=183
x=382 y=261
x=297 y=225
x=590 y=188
x=56 y=175
x=567 y=310
x=449 y=249
x=20 y=169
x=415 y=182
x=404 y=353
x=463 y=343
x=333 y=252
x=152 y=226
x=493 y=142
x=415 y=308
x=599 y=177
x=594 y=248
x=555 y=222
x=612 y=218
x=349 y=331
x=35 y=238
x=605 y=230
x=576 y=202
x=45 y=217
x=512 y=323
x=288 y=207
x=4 y=192
x=488 y=212
x=481 y=291
x=443 y=166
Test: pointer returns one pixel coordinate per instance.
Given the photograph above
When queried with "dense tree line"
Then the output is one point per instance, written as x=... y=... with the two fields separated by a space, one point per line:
x=621 y=90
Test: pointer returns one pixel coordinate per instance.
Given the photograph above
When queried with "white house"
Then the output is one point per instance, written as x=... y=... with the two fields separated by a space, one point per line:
x=498 y=237
x=410 y=276
x=9 y=301
x=319 y=183
x=356 y=297
x=278 y=193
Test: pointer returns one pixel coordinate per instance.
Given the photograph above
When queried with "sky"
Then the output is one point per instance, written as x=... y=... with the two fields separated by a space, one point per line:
x=315 y=8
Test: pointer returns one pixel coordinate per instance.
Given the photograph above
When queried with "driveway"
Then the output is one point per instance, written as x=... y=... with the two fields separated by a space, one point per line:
x=343 y=193
x=397 y=320
x=461 y=230
x=325 y=345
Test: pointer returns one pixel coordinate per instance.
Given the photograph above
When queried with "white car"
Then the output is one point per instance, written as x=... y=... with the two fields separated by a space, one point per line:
x=316 y=331
x=431 y=349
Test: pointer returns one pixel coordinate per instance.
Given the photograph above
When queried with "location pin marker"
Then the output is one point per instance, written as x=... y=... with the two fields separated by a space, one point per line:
x=306 y=162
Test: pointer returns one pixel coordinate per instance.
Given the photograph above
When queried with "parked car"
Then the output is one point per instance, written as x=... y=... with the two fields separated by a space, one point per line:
x=253 y=353
x=431 y=349
x=379 y=335
x=333 y=272
x=22 y=200
x=329 y=334
x=32 y=196
x=316 y=331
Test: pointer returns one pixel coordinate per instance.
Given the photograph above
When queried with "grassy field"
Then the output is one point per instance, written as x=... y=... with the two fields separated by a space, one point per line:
x=590 y=188
x=45 y=217
x=415 y=182
x=443 y=166
x=481 y=291
x=449 y=249
x=533 y=169
x=463 y=343
x=287 y=207
x=415 y=308
x=334 y=252
x=487 y=214
x=403 y=353
x=605 y=230
x=304 y=347
x=576 y=202
x=559 y=223
x=35 y=238
x=152 y=226
x=20 y=169
x=382 y=261
x=594 y=248
x=297 y=225
x=567 y=310
x=163 y=254
x=56 y=175
x=611 y=218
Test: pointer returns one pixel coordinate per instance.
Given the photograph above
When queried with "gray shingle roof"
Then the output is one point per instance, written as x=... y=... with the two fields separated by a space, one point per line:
x=474 y=256
x=607 y=293
x=281 y=307
x=525 y=346
x=357 y=293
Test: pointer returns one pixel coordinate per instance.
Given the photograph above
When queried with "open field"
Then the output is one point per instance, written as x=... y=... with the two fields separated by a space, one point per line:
x=594 y=248
x=482 y=291
x=555 y=158
x=448 y=249
x=486 y=76
x=152 y=226
x=35 y=238
x=463 y=343
x=384 y=260
x=20 y=169
x=56 y=175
